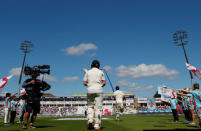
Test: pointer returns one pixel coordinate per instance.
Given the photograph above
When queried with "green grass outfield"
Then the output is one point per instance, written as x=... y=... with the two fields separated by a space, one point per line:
x=128 y=123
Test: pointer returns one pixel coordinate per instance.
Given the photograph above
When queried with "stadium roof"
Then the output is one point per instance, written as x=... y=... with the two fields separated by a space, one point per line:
x=48 y=95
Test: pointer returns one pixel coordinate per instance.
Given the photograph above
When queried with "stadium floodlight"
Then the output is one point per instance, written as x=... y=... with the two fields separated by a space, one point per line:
x=179 y=40
x=26 y=46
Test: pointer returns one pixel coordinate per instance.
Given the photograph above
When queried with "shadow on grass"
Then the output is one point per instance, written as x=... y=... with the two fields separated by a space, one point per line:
x=174 y=130
x=160 y=126
x=119 y=120
x=45 y=126
x=13 y=130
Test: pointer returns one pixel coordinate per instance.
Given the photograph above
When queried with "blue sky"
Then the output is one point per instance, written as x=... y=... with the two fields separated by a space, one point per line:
x=132 y=38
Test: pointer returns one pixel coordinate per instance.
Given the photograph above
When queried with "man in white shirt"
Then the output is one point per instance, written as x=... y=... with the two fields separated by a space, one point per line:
x=94 y=79
x=119 y=96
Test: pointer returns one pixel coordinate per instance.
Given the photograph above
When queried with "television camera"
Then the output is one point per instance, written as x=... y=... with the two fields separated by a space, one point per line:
x=37 y=70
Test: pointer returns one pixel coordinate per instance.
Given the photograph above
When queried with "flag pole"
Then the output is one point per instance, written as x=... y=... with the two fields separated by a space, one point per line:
x=20 y=78
x=109 y=79
x=188 y=63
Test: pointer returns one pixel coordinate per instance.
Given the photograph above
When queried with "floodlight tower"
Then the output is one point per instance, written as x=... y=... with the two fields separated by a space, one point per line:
x=26 y=48
x=178 y=38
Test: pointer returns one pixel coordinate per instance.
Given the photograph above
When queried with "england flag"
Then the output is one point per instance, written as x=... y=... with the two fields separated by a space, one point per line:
x=195 y=71
x=3 y=81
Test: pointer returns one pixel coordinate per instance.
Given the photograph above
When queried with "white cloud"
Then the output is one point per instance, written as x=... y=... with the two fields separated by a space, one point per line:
x=133 y=86
x=143 y=88
x=125 y=83
x=107 y=68
x=70 y=79
x=48 y=78
x=80 y=49
x=143 y=70
x=172 y=78
x=15 y=71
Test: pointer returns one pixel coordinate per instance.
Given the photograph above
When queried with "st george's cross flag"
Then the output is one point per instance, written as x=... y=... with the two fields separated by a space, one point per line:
x=195 y=71
x=3 y=81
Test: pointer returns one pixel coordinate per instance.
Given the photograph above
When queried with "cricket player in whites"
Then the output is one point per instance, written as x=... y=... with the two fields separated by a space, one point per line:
x=94 y=79
x=119 y=97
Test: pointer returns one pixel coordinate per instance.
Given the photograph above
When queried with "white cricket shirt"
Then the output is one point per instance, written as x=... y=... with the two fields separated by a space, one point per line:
x=119 y=96
x=94 y=78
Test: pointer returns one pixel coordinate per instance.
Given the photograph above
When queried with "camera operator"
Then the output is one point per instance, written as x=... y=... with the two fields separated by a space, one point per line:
x=33 y=94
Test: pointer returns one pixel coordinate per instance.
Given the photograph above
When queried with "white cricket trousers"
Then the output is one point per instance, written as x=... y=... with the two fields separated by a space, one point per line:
x=119 y=108
x=94 y=108
x=7 y=114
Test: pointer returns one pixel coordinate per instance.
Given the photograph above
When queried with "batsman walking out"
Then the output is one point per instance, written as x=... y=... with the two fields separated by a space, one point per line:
x=94 y=79
x=119 y=96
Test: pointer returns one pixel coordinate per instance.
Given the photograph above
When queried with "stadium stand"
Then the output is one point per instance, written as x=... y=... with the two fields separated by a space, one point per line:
x=76 y=105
